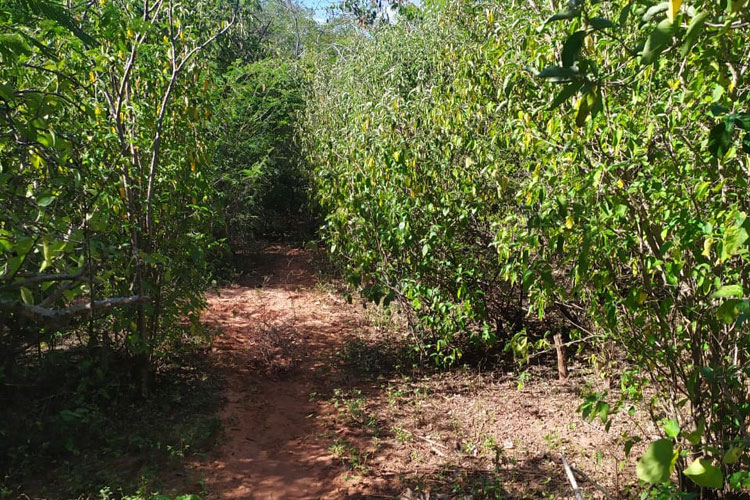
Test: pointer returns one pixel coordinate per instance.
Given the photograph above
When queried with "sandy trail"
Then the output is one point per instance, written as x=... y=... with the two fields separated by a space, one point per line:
x=279 y=333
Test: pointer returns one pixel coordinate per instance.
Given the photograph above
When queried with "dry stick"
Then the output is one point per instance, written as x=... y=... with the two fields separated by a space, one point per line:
x=593 y=483
x=562 y=365
x=571 y=478
x=433 y=445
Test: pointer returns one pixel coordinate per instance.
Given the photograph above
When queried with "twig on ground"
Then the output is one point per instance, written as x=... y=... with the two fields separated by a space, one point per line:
x=432 y=444
x=571 y=478
x=593 y=483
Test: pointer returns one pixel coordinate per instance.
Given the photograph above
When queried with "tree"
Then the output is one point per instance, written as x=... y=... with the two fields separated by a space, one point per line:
x=106 y=200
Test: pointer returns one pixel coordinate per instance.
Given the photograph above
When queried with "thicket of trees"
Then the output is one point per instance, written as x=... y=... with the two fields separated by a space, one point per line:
x=139 y=140
x=135 y=137
x=505 y=172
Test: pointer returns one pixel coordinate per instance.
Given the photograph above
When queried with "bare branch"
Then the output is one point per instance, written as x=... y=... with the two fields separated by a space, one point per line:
x=56 y=317
x=176 y=70
x=44 y=278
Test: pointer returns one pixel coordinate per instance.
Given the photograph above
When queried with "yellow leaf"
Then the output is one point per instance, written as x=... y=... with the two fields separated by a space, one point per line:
x=674 y=8
x=92 y=77
x=707 y=247
x=192 y=166
x=130 y=33
x=569 y=222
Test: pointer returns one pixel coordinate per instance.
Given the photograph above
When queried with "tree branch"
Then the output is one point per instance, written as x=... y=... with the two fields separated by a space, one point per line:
x=43 y=278
x=176 y=70
x=57 y=317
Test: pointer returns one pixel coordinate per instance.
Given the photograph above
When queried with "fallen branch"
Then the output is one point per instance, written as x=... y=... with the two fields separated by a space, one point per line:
x=593 y=483
x=433 y=445
x=57 y=317
x=571 y=478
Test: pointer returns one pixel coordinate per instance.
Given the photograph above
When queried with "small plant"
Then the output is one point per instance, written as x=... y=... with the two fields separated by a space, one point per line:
x=350 y=455
x=402 y=435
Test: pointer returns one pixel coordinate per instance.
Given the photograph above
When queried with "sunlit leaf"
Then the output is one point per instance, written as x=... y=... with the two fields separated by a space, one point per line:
x=656 y=465
x=703 y=473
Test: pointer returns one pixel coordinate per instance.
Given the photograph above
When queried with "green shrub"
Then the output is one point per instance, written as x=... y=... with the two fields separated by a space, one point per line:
x=263 y=189
x=590 y=166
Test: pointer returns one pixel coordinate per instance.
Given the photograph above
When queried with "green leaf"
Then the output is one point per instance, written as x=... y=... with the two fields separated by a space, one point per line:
x=695 y=436
x=655 y=466
x=732 y=456
x=657 y=41
x=671 y=428
x=58 y=13
x=656 y=9
x=12 y=46
x=741 y=121
x=568 y=13
x=728 y=311
x=624 y=14
x=26 y=296
x=728 y=291
x=6 y=92
x=720 y=139
x=566 y=93
x=45 y=200
x=590 y=104
x=572 y=47
x=24 y=246
x=694 y=29
x=557 y=74
x=703 y=473
x=601 y=23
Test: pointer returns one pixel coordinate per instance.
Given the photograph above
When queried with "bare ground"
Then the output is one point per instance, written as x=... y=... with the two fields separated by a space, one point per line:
x=321 y=403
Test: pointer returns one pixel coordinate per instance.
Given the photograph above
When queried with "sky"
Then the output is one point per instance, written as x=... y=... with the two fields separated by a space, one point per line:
x=319 y=6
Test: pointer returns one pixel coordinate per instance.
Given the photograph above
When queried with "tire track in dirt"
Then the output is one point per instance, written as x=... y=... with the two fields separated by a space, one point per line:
x=279 y=333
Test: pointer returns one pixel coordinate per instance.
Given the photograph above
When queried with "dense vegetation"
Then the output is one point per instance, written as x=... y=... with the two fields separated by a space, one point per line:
x=503 y=173
x=139 y=143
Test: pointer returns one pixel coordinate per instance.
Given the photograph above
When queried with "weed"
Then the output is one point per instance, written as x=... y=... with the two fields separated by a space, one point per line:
x=402 y=435
x=349 y=455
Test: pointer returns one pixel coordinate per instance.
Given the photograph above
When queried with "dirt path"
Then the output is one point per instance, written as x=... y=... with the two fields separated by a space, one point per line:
x=279 y=332
x=303 y=422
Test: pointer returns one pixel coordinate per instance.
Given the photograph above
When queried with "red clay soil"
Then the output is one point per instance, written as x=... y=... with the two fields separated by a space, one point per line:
x=299 y=425
x=278 y=334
